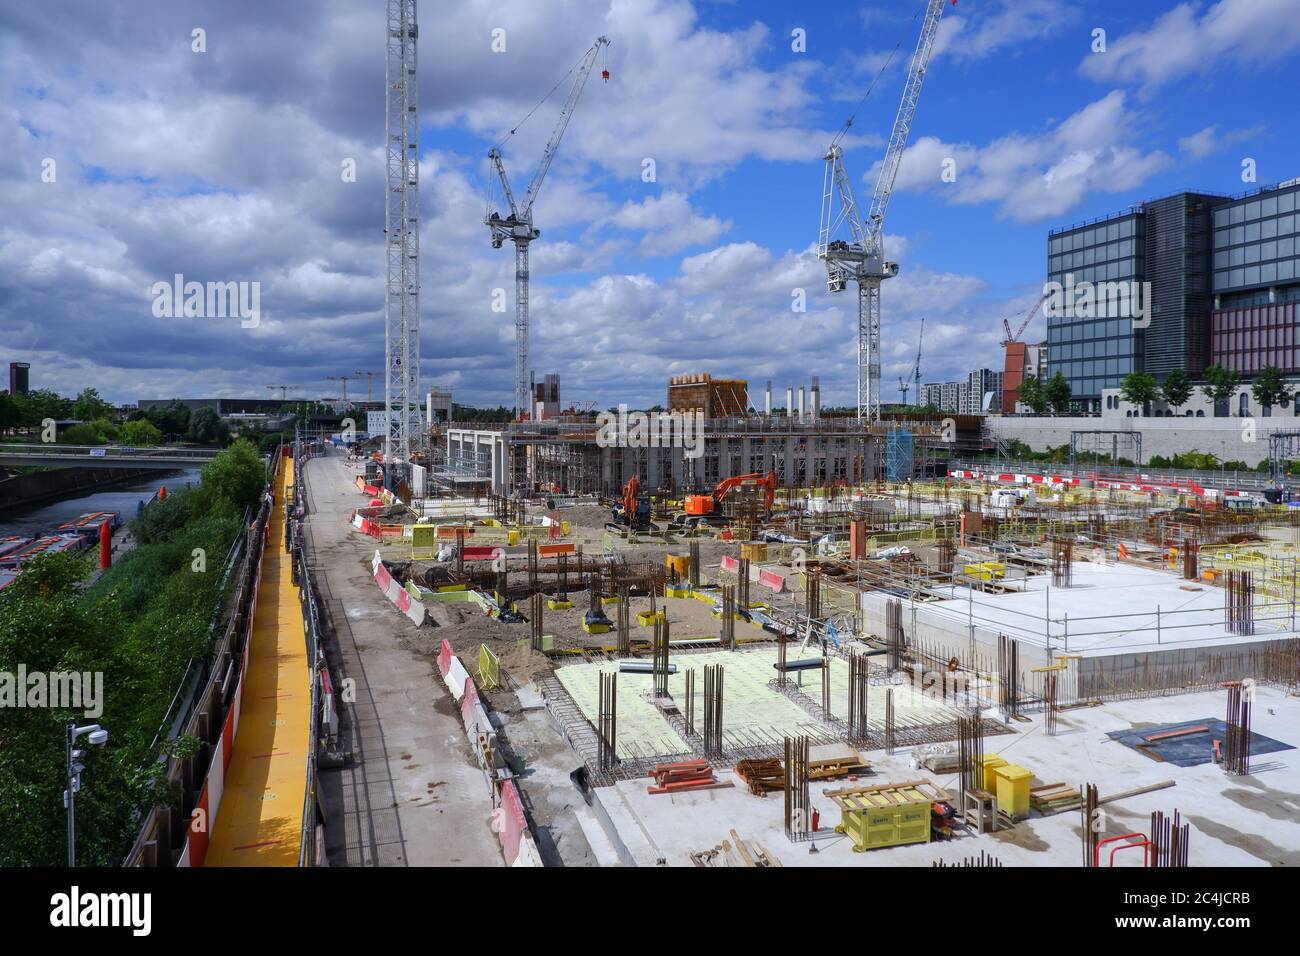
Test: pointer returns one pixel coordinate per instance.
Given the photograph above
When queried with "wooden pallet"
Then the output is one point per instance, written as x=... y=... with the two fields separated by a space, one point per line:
x=1054 y=798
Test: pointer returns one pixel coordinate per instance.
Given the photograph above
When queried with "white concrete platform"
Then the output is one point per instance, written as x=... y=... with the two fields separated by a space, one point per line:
x=1109 y=609
x=1235 y=821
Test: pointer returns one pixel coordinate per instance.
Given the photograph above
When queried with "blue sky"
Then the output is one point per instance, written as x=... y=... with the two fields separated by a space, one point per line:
x=224 y=166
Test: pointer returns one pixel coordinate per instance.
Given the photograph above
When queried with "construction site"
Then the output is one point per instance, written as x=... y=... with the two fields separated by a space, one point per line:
x=740 y=634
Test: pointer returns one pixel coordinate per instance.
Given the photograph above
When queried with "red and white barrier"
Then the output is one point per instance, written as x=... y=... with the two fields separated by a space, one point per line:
x=508 y=819
x=396 y=593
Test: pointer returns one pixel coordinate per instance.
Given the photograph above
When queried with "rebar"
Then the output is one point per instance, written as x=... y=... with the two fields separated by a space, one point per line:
x=713 y=695
x=858 y=683
x=1236 y=746
x=797 y=817
x=607 y=719
x=1169 y=841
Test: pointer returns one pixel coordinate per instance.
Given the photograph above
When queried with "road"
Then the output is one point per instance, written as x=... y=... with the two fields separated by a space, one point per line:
x=412 y=794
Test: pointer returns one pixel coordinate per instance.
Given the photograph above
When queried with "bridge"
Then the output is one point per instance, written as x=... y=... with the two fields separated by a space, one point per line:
x=103 y=456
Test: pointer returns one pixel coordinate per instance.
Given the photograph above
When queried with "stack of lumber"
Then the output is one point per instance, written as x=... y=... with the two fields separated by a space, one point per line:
x=833 y=761
x=742 y=853
x=683 y=776
x=1054 y=798
x=761 y=775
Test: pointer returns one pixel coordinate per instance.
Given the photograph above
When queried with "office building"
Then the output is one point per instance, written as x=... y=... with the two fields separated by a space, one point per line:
x=1186 y=281
x=18 y=378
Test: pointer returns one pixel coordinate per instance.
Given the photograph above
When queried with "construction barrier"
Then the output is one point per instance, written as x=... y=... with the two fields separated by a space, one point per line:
x=396 y=593
x=509 y=821
x=489 y=668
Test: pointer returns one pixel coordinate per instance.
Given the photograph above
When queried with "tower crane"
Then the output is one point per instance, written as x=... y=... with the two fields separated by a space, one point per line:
x=518 y=227
x=1006 y=325
x=861 y=258
x=340 y=378
x=905 y=383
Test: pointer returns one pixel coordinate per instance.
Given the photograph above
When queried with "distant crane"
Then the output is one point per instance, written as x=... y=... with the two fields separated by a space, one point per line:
x=1006 y=325
x=905 y=384
x=861 y=259
x=518 y=225
x=284 y=391
x=340 y=378
x=370 y=384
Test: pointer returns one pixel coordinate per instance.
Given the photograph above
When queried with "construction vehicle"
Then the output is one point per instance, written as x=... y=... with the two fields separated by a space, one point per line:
x=707 y=509
x=634 y=514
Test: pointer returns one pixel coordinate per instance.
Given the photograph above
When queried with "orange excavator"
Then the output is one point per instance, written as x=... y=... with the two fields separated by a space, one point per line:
x=634 y=515
x=708 y=508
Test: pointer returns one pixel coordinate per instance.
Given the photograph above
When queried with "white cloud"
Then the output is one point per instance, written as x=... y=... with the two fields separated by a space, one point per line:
x=1178 y=43
x=1034 y=177
x=669 y=224
x=1014 y=23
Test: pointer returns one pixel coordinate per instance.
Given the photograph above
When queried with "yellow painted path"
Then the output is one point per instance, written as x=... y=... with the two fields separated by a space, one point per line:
x=259 y=822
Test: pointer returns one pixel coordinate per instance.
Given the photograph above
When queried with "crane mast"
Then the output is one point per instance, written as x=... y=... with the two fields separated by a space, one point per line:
x=861 y=259
x=518 y=228
x=402 y=229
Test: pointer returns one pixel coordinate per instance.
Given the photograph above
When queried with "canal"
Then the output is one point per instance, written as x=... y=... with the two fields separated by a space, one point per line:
x=124 y=498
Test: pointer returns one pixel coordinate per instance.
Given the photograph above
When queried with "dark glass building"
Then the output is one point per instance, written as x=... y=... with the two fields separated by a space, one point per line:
x=1221 y=285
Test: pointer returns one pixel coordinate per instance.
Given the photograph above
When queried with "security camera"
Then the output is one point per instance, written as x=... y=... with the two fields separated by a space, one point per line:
x=99 y=737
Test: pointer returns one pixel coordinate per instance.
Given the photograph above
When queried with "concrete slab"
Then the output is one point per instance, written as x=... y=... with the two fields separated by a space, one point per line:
x=1235 y=821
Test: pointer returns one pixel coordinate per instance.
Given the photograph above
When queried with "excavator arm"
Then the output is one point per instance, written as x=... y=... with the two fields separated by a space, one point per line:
x=756 y=479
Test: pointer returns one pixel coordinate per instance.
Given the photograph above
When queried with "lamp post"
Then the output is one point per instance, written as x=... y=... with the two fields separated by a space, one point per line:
x=98 y=737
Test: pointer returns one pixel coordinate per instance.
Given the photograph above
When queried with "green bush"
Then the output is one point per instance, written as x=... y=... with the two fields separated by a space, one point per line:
x=139 y=626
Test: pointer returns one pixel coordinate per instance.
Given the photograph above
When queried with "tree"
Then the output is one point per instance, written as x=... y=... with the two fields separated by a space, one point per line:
x=38 y=405
x=89 y=406
x=1269 y=389
x=141 y=433
x=1139 y=388
x=172 y=419
x=10 y=413
x=1177 y=388
x=207 y=428
x=236 y=475
x=1219 y=385
x=82 y=433
x=1058 y=394
x=1031 y=393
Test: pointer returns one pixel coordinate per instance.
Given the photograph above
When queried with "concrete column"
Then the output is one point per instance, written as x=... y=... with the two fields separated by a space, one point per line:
x=767 y=400
x=801 y=406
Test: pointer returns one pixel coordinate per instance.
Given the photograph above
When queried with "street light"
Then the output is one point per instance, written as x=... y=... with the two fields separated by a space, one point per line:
x=98 y=737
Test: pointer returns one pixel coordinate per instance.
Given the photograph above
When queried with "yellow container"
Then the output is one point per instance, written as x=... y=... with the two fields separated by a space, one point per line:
x=681 y=563
x=989 y=765
x=1013 y=790
x=872 y=828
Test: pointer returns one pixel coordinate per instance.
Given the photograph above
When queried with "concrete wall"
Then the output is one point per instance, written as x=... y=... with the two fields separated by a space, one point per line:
x=1231 y=439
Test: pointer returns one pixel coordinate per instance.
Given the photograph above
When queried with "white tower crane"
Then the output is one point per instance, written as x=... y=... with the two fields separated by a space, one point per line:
x=402 y=228
x=861 y=259
x=518 y=225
